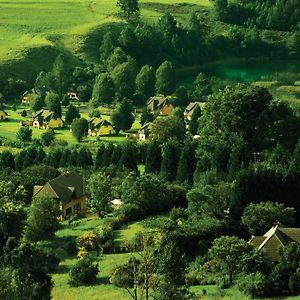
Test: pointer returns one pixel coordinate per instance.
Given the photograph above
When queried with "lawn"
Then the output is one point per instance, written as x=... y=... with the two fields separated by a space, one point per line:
x=102 y=289
x=9 y=128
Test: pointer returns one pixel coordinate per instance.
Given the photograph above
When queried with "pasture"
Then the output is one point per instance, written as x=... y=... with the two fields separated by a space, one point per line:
x=27 y=24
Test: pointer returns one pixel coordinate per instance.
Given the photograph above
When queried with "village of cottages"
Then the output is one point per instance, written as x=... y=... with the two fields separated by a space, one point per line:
x=98 y=126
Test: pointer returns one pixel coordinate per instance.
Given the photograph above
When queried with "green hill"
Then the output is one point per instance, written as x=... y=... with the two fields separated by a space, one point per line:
x=33 y=32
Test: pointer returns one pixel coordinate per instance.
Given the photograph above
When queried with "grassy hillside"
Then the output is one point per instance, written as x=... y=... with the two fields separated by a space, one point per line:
x=32 y=32
x=102 y=289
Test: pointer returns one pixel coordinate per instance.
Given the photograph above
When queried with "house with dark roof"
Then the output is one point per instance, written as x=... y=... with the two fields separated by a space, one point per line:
x=98 y=126
x=155 y=103
x=40 y=92
x=160 y=103
x=189 y=110
x=278 y=236
x=68 y=190
x=45 y=118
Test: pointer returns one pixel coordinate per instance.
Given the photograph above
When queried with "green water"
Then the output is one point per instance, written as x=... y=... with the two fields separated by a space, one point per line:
x=249 y=71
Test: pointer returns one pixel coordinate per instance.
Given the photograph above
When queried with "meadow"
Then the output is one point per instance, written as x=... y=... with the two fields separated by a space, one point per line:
x=102 y=289
x=31 y=31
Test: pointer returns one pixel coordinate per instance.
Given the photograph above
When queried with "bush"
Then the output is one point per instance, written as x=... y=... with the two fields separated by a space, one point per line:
x=95 y=113
x=132 y=212
x=114 y=223
x=177 y=213
x=83 y=272
x=52 y=261
x=253 y=284
x=71 y=247
x=106 y=238
x=47 y=137
x=88 y=240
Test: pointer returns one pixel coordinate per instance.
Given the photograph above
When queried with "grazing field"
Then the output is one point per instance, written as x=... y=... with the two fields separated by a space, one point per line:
x=65 y=25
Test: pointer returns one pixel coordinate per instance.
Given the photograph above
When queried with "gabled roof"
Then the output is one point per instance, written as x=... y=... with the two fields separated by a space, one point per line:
x=38 y=91
x=65 y=187
x=145 y=129
x=44 y=115
x=98 y=123
x=278 y=236
x=156 y=102
x=191 y=107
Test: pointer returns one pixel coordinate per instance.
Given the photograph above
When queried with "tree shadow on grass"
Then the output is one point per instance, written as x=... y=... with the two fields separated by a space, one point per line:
x=62 y=269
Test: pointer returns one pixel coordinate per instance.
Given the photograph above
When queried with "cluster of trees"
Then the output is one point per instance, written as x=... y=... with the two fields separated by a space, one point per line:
x=155 y=270
x=24 y=267
x=271 y=14
x=252 y=270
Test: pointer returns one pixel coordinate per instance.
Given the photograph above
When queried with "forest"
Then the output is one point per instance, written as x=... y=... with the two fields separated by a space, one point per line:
x=121 y=179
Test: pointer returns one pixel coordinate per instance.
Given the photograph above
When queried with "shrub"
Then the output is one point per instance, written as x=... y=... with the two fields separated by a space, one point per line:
x=114 y=223
x=122 y=219
x=106 y=238
x=253 y=284
x=71 y=247
x=83 y=272
x=131 y=211
x=88 y=240
x=177 y=213
x=95 y=113
x=52 y=261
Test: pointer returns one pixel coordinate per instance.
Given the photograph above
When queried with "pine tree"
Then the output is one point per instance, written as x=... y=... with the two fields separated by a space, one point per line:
x=65 y=160
x=109 y=43
x=7 y=160
x=54 y=157
x=40 y=155
x=116 y=155
x=59 y=75
x=73 y=157
x=19 y=160
x=106 y=158
x=202 y=88
x=186 y=164
x=170 y=157
x=194 y=122
x=128 y=157
x=153 y=158
x=145 y=83
x=84 y=158
x=99 y=156
x=295 y=161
